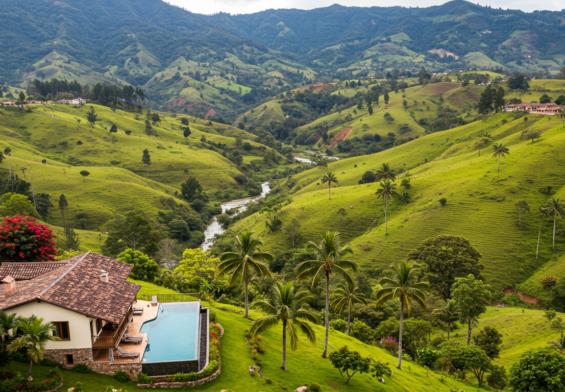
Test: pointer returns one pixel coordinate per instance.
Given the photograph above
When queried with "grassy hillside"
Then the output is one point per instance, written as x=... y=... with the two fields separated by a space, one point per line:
x=480 y=201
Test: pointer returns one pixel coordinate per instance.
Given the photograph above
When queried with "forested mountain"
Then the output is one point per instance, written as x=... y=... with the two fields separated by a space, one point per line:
x=224 y=63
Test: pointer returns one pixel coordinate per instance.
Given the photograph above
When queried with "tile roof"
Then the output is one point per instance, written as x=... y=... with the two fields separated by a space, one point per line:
x=77 y=287
x=25 y=271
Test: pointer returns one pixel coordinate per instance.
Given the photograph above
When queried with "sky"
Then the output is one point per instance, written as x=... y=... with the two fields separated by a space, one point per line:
x=251 y=6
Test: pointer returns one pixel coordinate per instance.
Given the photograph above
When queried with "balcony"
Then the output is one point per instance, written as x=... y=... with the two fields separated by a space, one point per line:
x=111 y=334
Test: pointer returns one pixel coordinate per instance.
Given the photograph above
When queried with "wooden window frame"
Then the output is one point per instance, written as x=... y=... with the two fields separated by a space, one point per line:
x=68 y=330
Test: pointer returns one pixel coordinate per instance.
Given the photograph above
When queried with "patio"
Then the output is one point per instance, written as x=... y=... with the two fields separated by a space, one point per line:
x=133 y=329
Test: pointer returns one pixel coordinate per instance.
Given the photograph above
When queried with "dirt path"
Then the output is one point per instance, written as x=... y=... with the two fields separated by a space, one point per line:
x=342 y=135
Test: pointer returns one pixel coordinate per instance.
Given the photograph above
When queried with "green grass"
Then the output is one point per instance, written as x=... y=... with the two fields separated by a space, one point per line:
x=480 y=202
x=148 y=288
x=304 y=365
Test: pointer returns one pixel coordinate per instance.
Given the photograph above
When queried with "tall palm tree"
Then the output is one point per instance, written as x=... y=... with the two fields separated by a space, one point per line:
x=8 y=323
x=544 y=214
x=386 y=191
x=385 y=172
x=34 y=336
x=346 y=296
x=285 y=305
x=247 y=260
x=500 y=151
x=555 y=208
x=330 y=178
x=447 y=314
x=404 y=286
x=328 y=253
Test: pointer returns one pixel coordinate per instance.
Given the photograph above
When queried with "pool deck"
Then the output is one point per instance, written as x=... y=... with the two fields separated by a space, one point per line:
x=133 y=329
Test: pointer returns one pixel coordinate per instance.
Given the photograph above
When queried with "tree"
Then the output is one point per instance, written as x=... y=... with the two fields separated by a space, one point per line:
x=328 y=259
x=146 y=159
x=403 y=285
x=22 y=96
x=545 y=98
x=349 y=363
x=8 y=327
x=559 y=343
x=544 y=214
x=470 y=293
x=113 y=129
x=285 y=305
x=23 y=239
x=341 y=213
x=133 y=230
x=191 y=188
x=291 y=229
x=16 y=204
x=497 y=378
x=186 y=133
x=143 y=267
x=345 y=298
x=489 y=340
x=386 y=97
x=85 y=174
x=91 y=116
x=555 y=208
x=481 y=143
x=34 y=335
x=386 y=191
x=197 y=265
x=155 y=118
x=448 y=314
x=532 y=135
x=330 y=178
x=184 y=121
x=498 y=101
x=541 y=369
x=550 y=314
x=245 y=261
x=43 y=204
x=385 y=172
x=486 y=100
x=522 y=206
x=62 y=207
x=447 y=257
x=1 y=156
x=474 y=359
x=368 y=177
x=500 y=151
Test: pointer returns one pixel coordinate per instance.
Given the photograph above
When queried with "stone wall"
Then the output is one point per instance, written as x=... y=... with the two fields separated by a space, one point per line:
x=80 y=355
x=185 y=383
x=133 y=369
x=170 y=367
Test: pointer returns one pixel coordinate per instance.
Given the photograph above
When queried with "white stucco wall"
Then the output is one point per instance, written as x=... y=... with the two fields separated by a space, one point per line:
x=79 y=324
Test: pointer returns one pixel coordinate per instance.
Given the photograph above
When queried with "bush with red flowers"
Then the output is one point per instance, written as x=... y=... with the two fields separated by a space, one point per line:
x=23 y=239
x=10 y=382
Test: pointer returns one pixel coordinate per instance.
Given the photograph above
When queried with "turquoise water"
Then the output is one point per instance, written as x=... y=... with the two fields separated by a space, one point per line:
x=173 y=335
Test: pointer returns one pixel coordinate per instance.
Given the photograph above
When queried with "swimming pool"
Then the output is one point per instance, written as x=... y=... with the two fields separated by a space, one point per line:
x=173 y=335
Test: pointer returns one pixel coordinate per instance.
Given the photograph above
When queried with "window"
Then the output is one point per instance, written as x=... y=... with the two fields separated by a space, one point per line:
x=70 y=360
x=62 y=330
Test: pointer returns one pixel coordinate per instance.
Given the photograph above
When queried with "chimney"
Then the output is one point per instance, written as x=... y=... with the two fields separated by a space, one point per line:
x=104 y=276
x=9 y=285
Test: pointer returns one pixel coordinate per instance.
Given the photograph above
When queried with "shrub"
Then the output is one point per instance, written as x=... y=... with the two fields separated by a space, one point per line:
x=81 y=368
x=142 y=379
x=314 y=387
x=268 y=381
x=427 y=357
x=78 y=387
x=182 y=377
x=442 y=201
x=407 y=357
x=48 y=362
x=122 y=376
x=349 y=363
x=338 y=325
x=30 y=241
x=550 y=371
x=212 y=316
x=390 y=344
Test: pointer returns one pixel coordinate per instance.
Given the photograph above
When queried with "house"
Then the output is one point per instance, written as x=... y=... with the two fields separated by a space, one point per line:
x=9 y=103
x=549 y=109
x=86 y=297
x=35 y=102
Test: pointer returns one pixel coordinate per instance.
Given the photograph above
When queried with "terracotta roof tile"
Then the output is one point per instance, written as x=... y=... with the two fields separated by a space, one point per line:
x=25 y=271
x=78 y=287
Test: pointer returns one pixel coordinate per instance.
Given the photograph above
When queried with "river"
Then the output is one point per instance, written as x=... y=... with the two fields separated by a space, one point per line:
x=311 y=162
x=241 y=204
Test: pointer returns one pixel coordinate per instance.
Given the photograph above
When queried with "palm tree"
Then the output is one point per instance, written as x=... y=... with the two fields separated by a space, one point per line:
x=403 y=285
x=555 y=208
x=481 y=143
x=8 y=322
x=544 y=214
x=248 y=259
x=285 y=305
x=34 y=336
x=500 y=150
x=330 y=178
x=328 y=253
x=346 y=296
x=385 y=173
x=447 y=314
x=387 y=190
x=559 y=343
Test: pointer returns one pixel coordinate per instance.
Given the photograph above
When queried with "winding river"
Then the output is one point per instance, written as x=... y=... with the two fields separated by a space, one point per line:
x=241 y=204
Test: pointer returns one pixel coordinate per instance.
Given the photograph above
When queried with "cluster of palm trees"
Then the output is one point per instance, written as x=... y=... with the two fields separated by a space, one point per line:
x=330 y=259
x=25 y=333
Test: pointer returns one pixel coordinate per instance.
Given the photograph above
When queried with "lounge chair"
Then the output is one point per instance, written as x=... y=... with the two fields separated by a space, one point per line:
x=131 y=339
x=154 y=300
x=137 y=311
x=124 y=354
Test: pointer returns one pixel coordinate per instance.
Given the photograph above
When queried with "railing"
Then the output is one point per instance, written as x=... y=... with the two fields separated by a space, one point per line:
x=180 y=297
x=113 y=340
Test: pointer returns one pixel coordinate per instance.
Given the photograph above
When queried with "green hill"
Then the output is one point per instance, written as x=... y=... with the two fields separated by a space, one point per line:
x=480 y=201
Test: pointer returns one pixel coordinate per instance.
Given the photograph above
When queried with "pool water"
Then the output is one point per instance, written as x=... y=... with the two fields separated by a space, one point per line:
x=173 y=335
